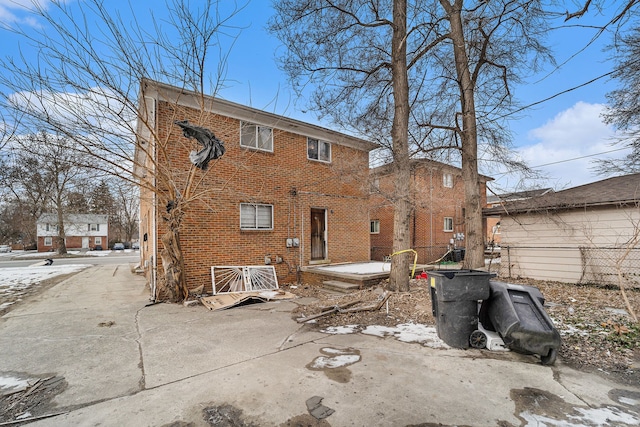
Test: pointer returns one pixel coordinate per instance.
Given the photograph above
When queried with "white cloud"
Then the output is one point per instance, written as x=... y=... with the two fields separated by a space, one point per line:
x=18 y=11
x=560 y=147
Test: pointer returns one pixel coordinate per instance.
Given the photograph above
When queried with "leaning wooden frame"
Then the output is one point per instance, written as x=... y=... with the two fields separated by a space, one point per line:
x=248 y=278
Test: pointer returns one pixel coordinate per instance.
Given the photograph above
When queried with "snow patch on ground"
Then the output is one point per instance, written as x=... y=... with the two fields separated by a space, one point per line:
x=341 y=330
x=14 y=280
x=51 y=254
x=333 y=362
x=9 y=383
x=588 y=417
x=359 y=268
x=407 y=332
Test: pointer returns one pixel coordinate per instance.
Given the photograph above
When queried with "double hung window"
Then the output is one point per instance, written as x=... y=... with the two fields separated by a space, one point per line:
x=256 y=216
x=256 y=137
x=318 y=150
x=448 y=224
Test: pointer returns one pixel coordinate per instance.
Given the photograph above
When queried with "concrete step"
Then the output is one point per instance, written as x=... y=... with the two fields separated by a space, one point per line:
x=338 y=286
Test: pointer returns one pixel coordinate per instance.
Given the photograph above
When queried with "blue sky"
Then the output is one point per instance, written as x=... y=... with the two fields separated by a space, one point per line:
x=552 y=133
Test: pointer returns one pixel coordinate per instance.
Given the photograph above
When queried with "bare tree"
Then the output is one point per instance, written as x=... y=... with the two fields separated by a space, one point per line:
x=127 y=201
x=26 y=186
x=61 y=170
x=435 y=88
x=85 y=83
x=624 y=104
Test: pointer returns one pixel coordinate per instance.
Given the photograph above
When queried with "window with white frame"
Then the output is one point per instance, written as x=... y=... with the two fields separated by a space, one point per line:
x=255 y=216
x=93 y=227
x=318 y=150
x=447 y=180
x=48 y=241
x=374 y=226
x=97 y=241
x=51 y=227
x=256 y=137
x=448 y=223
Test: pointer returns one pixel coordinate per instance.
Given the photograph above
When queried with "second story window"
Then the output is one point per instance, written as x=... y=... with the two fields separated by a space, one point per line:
x=447 y=180
x=318 y=150
x=93 y=227
x=256 y=137
x=374 y=226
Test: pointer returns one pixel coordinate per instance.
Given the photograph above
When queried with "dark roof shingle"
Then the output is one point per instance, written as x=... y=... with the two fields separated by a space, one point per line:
x=614 y=191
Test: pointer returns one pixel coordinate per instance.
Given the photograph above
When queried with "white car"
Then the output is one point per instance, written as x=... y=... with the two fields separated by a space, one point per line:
x=5 y=248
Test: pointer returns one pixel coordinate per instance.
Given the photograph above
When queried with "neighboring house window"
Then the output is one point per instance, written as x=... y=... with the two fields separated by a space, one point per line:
x=375 y=226
x=447 y=180
x=52 y=227
x=257 y=137
x=496 y=229
x=256 y=216
x=48 y=241
x=94 y=227
x=97 y=241
x=318 y=150
x=448 y=224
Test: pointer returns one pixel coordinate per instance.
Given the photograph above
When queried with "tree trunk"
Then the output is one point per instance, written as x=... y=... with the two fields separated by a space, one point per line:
x=62 y=245
x=399 y=277
x=474 y=239
x=172 y=286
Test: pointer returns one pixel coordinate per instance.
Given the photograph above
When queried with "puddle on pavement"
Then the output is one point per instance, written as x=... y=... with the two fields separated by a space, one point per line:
x=539 y=407
x=334 y=363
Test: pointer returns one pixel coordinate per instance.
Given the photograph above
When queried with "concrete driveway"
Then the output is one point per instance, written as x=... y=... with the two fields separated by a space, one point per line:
x=123 y=363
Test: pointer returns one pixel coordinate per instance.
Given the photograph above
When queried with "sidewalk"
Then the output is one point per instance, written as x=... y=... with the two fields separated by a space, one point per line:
x=128 y=364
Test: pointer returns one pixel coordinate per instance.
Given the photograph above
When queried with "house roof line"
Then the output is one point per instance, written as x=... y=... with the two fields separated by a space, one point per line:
x=74 y=218
x=616 y=191
x=386 y=168
x=220 y=106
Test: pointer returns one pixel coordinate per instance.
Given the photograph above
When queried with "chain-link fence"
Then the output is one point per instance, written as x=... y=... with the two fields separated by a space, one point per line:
x=426 y=254
x=604 y=266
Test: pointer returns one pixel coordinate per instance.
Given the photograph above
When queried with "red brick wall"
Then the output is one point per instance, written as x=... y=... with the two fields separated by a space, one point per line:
x=72 y=242
x=285 y=178
x=432 y=203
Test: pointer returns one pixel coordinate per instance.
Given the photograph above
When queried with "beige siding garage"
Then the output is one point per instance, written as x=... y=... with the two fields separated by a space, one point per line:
x=585 y=234
x=546 y=246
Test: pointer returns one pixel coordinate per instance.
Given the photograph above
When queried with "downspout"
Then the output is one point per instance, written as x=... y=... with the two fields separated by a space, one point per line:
x=430 y=213
x=413 y=214
x=154 y=257
x=302 y=238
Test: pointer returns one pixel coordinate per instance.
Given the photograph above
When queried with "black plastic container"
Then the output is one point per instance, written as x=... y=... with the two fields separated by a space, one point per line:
x=516 y=312
x=455 y=305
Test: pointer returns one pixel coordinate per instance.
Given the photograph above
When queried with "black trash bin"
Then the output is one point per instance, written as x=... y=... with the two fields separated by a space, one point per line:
x=455 y=304
x=516 y=312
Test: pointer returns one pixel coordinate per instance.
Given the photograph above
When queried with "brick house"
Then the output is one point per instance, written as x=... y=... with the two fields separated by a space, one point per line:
x=285 y=192
x=437 y=222
x=82 y=231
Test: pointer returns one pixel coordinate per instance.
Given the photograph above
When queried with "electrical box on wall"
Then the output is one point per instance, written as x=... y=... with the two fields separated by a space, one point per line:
x=293 y=242
x=289 y=243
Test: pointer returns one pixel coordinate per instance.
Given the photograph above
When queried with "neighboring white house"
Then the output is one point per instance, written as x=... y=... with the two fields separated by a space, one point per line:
x=585 y=234
x=88 y=231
